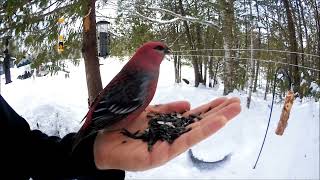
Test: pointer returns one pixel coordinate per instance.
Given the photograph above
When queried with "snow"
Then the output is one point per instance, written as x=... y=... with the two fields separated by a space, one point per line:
x=56 y=105
x=303 y=81
x=314 y=87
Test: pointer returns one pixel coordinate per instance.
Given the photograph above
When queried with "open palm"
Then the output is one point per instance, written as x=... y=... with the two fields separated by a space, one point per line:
x=113 y=150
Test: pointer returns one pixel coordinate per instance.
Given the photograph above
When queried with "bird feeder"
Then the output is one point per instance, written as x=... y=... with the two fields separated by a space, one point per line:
x=60 y=43
x=103 y=38
x=61 y=35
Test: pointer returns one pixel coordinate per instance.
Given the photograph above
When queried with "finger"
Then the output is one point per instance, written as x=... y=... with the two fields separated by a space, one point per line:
x=177 y=106
x=206 y=107
x=197 y=134
x=229 y=111
x=206 y=127
x=221 y=106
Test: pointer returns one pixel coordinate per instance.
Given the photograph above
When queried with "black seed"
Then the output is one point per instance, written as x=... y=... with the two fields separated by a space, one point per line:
x=163 y=127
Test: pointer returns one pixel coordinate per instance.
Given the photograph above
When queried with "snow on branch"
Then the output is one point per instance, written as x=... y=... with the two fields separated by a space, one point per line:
x=178 y=17
x=158 y=20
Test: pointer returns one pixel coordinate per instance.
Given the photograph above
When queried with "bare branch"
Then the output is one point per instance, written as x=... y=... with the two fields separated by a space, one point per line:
x=158 y=20
x=179 y=17
x=48 y=7
x=56 y=10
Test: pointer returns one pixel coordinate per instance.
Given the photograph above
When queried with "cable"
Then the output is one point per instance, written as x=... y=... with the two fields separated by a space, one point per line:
x=263 y=60
x=267 y=50
x=285 y=74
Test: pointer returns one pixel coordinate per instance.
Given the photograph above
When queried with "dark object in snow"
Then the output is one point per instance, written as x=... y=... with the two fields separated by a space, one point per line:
x=207 y=165
x=164 y=127
x=26 y=75
x=186 y=81
x=23 y=62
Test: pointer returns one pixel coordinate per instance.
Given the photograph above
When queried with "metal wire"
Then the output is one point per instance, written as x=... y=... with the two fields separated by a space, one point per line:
x=285 y=74
x=263 y=60
x=265 y=50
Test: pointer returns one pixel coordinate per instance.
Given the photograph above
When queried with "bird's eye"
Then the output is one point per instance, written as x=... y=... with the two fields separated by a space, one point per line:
x=160 y=48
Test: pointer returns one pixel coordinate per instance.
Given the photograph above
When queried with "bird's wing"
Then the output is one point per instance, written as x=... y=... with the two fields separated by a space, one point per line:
x=121 y=99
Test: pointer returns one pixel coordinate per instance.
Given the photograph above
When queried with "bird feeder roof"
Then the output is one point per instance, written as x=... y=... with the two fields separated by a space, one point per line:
x=103 y=22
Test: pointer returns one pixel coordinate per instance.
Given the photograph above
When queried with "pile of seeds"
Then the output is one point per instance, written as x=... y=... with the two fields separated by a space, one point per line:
x=164 y=127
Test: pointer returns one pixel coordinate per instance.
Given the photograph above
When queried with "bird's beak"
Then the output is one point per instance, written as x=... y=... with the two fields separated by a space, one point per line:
x=167 y=51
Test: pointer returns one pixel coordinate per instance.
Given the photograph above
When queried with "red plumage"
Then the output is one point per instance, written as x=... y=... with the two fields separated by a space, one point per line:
x=128 y=93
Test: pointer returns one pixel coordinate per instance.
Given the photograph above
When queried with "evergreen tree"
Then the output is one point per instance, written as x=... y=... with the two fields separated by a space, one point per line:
x=36 y=25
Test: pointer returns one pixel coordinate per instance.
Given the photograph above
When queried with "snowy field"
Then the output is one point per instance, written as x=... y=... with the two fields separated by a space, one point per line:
x=56 y=105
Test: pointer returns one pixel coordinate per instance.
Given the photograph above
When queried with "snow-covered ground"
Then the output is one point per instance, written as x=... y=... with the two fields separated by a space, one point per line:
x=56 y=105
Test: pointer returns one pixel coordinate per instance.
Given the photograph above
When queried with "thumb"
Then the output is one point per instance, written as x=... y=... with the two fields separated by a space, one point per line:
x=177 y=106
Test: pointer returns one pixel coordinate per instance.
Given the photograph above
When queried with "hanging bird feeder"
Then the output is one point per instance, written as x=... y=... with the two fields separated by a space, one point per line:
x=103 y=38
x=60 y=44
x=283 y=122
x=61 y=36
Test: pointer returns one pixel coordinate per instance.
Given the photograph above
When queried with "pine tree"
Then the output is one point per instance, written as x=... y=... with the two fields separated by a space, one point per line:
x=34 y=25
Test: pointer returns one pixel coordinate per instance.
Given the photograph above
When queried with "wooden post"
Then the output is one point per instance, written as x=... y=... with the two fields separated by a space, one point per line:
x=282 y=124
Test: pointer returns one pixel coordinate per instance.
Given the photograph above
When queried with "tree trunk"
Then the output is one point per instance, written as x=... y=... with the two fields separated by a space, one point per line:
x=6 y=62
x=89 y=51
x=269 y=63
x=228 y=34
x=293 y=47
x=317 y=15
x=246 y=45
x=304 y=26
x=177 y=58
x=205 y=64
x=299 y=25
x=6 y=66
x=177 y=76
x=246 y=42
x=210 y=64
x=179 y=63
x=258 y=53
x=197 y=77
x=251 y=69
x=199 y=44
x=268 y=81
x=200 y=64
x=216 y=73
x=238 y=79
x=256 y=76
x=195 y=65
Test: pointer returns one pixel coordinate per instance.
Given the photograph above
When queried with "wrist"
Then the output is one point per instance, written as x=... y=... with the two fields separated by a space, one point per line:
x=99 y=155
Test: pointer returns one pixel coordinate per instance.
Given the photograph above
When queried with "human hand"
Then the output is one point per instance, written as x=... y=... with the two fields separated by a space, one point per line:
x=113 y=150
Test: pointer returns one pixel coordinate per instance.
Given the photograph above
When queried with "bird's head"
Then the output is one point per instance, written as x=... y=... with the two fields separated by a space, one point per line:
x=152 y=53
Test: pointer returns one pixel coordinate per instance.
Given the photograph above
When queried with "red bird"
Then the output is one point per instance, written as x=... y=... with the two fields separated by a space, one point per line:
x=128 y=93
